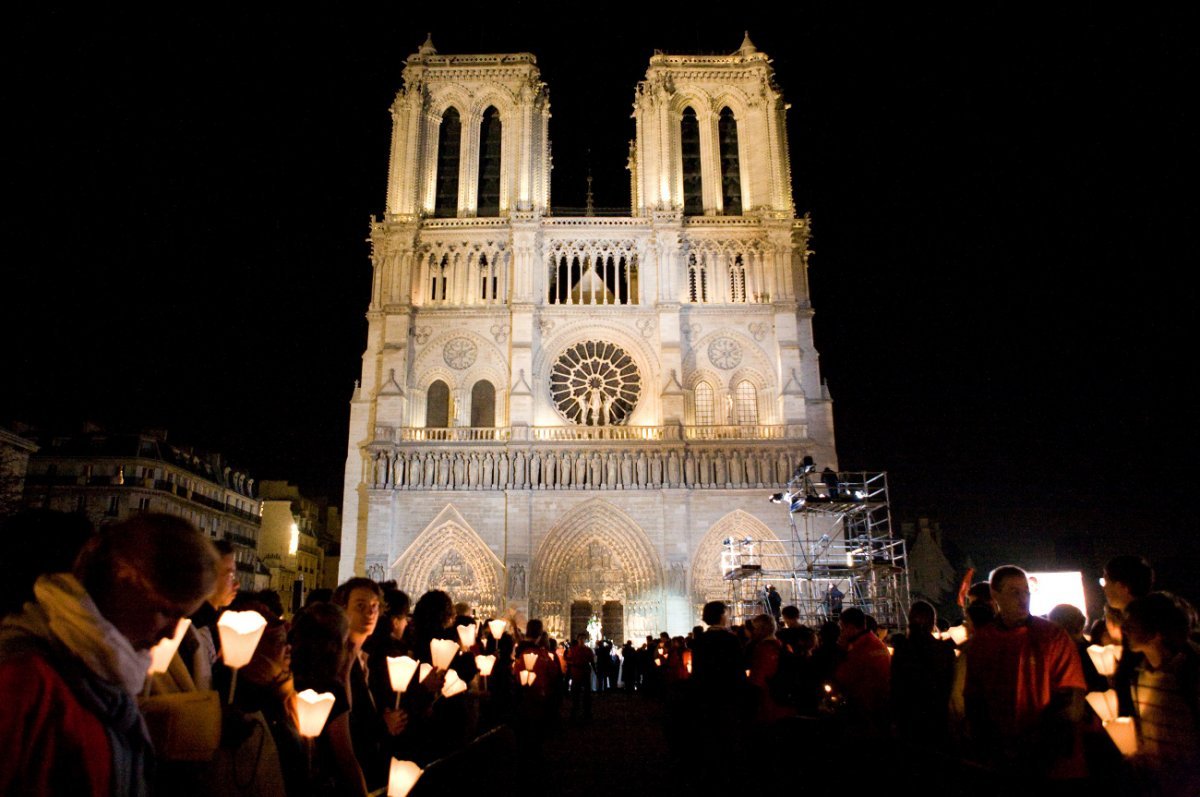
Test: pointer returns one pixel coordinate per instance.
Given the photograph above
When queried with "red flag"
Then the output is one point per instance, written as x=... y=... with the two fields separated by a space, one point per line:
x=965 y=587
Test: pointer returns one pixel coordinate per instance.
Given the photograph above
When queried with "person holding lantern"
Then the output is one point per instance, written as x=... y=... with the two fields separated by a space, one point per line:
x=74 y=660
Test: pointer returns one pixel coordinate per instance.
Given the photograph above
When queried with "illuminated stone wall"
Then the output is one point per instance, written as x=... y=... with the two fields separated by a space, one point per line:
x=553 y=408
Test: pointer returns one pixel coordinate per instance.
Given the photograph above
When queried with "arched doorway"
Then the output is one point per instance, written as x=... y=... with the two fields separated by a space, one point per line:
x=597 y=563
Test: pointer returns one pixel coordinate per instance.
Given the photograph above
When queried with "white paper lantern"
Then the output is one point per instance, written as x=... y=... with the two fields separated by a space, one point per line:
x=1105 y=657
x=485 y=664
x=400 y=671
x=453 y=685
x=527 y=677
x=530 y=659
x=1104 y=704
x=162 y=653
x=401 y=778
x=497 y=628
x=426 y=668
x=957 y=634
x=1123 y=734
x=466 y=635
x=240 y=632
x=312 y=710
x=442 y=651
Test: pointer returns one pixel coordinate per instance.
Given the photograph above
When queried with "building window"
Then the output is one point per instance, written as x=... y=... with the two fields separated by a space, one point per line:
x=114 y=505
x=689 y=141
x=483 y=404
x=731 y=175
x=437 y=405
x=697 y=279
x=449 y=142
x=704 y=404
x=737 y=280
x=143 y=504
x=489 y=164
x=746 y=404
x=438 y=273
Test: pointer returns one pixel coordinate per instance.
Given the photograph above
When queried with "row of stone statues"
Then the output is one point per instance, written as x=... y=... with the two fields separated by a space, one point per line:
x=580 y=470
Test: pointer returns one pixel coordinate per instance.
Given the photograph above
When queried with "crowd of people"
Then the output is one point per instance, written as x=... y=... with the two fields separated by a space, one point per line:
x=766 y=702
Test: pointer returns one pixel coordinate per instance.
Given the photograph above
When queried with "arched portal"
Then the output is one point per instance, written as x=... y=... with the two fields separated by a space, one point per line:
x=708 y=582
x=449 y=555
x=596 y=558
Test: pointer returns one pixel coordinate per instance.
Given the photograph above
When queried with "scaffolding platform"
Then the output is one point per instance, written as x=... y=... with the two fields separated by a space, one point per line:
x=841 y=553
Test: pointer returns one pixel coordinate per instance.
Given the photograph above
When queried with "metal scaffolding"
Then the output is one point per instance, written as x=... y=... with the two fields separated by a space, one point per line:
x=841 y=553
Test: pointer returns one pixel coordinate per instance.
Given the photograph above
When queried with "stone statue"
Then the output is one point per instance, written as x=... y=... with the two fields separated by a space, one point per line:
x=704 y=475
x=519 y=471
x=642 y=474
x=689 y=470
x=605 y=409
x=595 y=472
x=721 y=477
x=551 y=471
x=752 y=469
x=610 y=471
x=626 y=470
x=415 y=477
x=735 y=468
x=516 y=581
x=459 y=471
x=489 y=466
x=473 y=470
x=431 y=468
x=673 y=469
x=580 y=471
x=677 y=579
x=444 y=471
x=502 y=471
x=535 y=470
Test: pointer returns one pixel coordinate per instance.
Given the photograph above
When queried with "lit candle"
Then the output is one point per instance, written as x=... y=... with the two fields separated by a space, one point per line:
x=530 y=659
x=162 y=653
x=453 y=685
x=400 y=671
x=485 y=664
x=527 y=677
x=958 y=634
x=497 y=628
x=442 y=651
x=1104 y=704
x=1105 y=657
x=426 y=668
x=1123 y=734
x=240 y=632
x=312 y=710
x=466 y=635
x=401 y=778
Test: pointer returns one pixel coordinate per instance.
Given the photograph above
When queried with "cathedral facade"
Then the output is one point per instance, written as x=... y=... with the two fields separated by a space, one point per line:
x=567 y=416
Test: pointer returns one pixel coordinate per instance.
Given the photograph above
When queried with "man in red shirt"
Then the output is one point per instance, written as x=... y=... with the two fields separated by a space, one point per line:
x=1024 y=690
x=580 y=659
x=864 y=676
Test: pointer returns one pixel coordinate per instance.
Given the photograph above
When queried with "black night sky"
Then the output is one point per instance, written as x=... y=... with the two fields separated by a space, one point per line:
x=998 y=193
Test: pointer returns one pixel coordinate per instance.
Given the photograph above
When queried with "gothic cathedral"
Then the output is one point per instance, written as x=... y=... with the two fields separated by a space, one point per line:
x=568 y=416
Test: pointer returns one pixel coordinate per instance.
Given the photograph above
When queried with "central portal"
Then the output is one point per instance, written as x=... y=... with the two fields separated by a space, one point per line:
x=611 y=615
x=597 y=563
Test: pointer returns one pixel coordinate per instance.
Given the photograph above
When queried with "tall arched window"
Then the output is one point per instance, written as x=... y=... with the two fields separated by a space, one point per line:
x=489 y=164
x=746 y=404
x=689 y=141
x=697 y=278
x=731 y=174
x=483 y=404
x=449 y=139
x=737 y=279
x=439 y=271
x=704 y=404
x=437 y=405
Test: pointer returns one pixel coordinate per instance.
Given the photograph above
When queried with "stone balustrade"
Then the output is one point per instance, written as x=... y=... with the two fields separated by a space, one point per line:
x=630 y=458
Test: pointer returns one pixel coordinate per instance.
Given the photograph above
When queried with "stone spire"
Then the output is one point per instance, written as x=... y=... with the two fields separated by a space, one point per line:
x=747 y=47
x=428 y=49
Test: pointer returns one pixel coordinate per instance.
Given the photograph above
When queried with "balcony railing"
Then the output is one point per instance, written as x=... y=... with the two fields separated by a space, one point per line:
x=385 y=435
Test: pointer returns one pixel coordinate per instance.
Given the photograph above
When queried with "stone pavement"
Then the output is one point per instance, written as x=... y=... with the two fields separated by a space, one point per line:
x=622 y=747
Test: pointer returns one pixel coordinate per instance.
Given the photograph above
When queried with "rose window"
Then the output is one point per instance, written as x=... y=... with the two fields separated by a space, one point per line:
x=595 y=383
x=459 y=353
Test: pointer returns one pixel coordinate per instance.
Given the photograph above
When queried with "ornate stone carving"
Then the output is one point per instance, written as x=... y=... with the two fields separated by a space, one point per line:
x=500 y=332
x=460 y=353
x=646 y=326
x=759 y=330
x=595 y=383
x=725 y=353
x=421 y=334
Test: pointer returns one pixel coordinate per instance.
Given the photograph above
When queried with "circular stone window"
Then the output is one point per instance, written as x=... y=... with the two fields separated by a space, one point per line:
x=595 y=383
x=459 y=353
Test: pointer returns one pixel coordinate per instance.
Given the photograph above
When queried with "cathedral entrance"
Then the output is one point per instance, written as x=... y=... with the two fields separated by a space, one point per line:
x=596 y=564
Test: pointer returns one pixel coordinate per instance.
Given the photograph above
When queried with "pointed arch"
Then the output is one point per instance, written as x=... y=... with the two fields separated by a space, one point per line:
x=597 y=529
x=689 y=145
x=490 y=137
x=449 y=150
x=449 y=555
x=731 y=173
x=707 y=580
